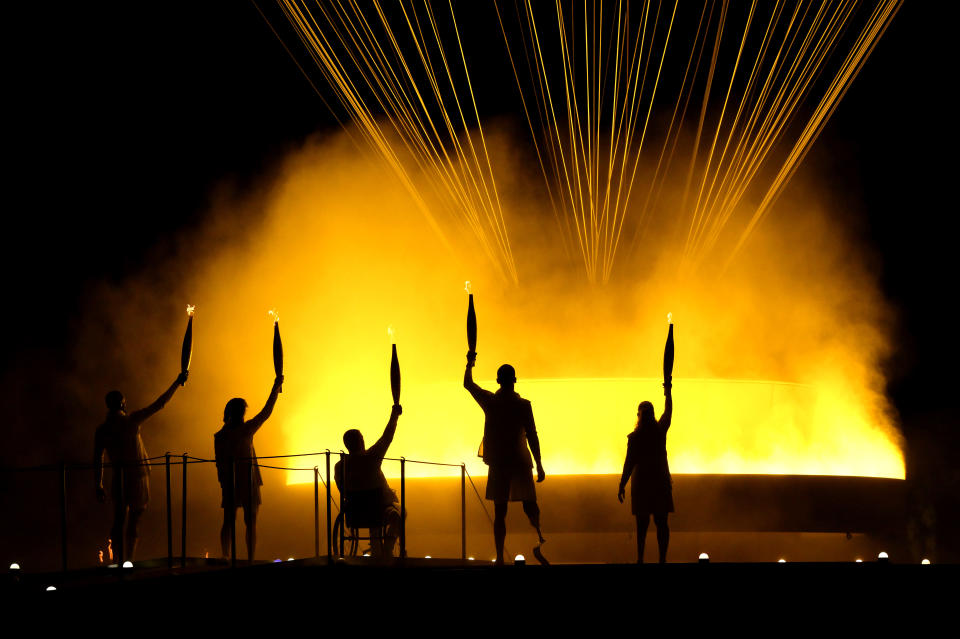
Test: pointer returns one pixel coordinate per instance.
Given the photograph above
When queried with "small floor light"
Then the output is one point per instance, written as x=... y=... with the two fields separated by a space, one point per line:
x=469 y=558
x=428 y=557
x=704 y=558
x=289 y=558
x=883 y=557
x=859 y=561
x=519 y=560
x=925 y=562
x=128 y=564
x=14 y=566
x=781 y=561
x=51 y=588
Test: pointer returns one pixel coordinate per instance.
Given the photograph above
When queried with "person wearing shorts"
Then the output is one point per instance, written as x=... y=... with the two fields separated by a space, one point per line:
x=119 y=437
x=508 y=430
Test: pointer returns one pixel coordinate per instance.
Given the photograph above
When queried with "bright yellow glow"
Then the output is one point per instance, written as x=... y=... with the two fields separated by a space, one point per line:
x=190 y=309
x=358 y=256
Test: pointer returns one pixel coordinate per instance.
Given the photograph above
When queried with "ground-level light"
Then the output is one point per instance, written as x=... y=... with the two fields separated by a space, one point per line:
x=520 y=560
x=704 y=558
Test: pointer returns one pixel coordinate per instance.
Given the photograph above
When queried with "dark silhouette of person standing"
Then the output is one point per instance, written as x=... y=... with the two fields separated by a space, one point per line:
x=119 y=437
x=651 y=488
x=233 y=446
x=364 y=474
x=507 y=431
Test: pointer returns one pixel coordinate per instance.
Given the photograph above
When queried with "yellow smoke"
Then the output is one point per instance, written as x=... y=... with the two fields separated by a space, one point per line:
x=777 y=360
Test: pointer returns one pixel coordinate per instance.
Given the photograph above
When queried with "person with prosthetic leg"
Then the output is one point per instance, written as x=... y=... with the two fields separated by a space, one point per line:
x=507 y=432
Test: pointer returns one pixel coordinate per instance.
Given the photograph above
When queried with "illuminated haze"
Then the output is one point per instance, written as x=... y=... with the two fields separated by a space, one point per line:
x=778 y=365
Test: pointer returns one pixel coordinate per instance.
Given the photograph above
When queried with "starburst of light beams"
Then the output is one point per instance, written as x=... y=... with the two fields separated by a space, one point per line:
x=590 y=77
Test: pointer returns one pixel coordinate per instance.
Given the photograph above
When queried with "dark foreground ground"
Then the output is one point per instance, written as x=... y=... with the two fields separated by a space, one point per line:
x=477 y=598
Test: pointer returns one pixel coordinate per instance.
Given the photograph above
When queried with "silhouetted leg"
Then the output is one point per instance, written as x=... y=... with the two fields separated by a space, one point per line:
x=133 y=533
x=250 y=521
x=533 y=514
x=663 y=535
x=391 y=531
x=229 y=516
x=643 y=522
x=116 y=532
x=499 y=528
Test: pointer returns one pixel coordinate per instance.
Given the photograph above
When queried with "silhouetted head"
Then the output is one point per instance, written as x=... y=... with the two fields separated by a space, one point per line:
x=115 y=401
x=353 y=440
x=234 y=411
x=506 y=376
x=645 y=414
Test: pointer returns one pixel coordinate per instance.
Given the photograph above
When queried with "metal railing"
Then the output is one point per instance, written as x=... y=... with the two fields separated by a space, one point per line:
x=185 y=460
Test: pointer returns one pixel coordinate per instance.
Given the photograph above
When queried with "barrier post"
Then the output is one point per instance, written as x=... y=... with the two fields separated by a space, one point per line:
x=463 y=512
x=233 y=512
x=183 y=515
x=316 y=512
x=403 y=508
x=166 y=470
x=329 y=525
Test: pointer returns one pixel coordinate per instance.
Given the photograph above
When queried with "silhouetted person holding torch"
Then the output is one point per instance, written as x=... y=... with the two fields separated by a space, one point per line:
x=507 y=431
x=119 y=437
x=363 y=473
x=233 y=446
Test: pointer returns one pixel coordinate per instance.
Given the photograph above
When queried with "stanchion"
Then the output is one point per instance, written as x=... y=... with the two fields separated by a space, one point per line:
x=329 y=525
x=166 y=469
x=403 y=508
x=343 y=489
x=316 y=512
x=463 y=512
x=233 y=512
x=63 y=515
x=183 y=515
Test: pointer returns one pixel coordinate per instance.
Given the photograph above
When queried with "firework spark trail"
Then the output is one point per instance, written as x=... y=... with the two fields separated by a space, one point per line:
x=854 y=62
x=759 y=104
x=361 y=55
x=588 y=101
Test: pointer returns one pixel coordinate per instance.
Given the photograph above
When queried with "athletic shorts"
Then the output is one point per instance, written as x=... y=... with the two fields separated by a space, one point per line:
x=510 y=483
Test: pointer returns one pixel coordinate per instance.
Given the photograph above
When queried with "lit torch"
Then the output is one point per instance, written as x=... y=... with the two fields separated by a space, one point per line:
x=277 y=345
x=668 y=353
x=394 y=368
x=186 y=353
x=471 y=320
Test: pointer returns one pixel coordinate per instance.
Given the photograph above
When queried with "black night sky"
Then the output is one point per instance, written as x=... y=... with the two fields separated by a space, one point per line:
x=124 y=118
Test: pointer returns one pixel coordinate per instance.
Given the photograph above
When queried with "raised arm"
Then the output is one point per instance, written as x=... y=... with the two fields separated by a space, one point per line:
x=667 y=416
x=99 y=446
x=145 y=413
x=257 y=421
x=479 y=395
x=380 y=448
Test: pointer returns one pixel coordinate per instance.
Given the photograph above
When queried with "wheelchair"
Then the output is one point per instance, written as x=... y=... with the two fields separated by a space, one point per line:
x=361 y=510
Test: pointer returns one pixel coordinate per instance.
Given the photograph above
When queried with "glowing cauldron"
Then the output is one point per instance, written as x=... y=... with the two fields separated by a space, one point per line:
x=719 y=427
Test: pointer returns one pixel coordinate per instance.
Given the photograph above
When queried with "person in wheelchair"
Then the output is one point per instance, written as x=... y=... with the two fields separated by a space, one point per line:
x=365 y=477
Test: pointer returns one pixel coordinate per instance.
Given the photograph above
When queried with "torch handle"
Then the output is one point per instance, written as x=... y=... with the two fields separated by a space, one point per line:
x=186 y=353
x=395 y=376
x=277 y=352
x=471 y=326
x=668 y=357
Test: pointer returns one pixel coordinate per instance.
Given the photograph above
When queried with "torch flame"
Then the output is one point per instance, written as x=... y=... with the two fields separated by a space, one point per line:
x=467 y=287
x=190 y=309
x=100 y=556
x=110 y=548
x=391 y=333
x=274 y=315
x=669 y=318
